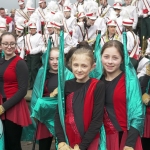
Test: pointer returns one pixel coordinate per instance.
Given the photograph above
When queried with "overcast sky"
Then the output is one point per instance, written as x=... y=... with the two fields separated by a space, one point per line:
x=9 y=4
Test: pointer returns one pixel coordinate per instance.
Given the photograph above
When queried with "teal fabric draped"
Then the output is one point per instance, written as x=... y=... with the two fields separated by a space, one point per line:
x=43 y=108
x=63 y=75
x=37 y=93
x=1 y=136
x=135 y=107
x=98 y=70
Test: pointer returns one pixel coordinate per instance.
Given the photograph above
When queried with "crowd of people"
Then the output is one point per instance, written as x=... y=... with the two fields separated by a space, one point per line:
x=108 y=109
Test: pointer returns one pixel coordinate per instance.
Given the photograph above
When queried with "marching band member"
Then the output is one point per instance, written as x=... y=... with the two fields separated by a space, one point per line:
x=21 y=12
x=20 y=48
x=3 y=26
x=50 y=34
x=145 y=4
x=132 y=42
x=117 y=8
x=34 y=44
x=111 y=33
x=76 y=6
x=138 y=30
x=57 y=23
x=81 y=14
x=69 y=21
x=8 y=19
x=104 y=9
x=30 y=12
x=132 y=12
x=41 y=13
x=86 y=31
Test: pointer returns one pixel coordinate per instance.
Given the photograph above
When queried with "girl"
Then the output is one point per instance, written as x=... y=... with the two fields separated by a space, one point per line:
x=111 y=33
x=13 y=108
x=121 y=132
x=57 y=24
x=43 y=134
x=84 y=97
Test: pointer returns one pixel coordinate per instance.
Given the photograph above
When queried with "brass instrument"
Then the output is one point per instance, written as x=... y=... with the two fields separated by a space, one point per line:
x=144 y=46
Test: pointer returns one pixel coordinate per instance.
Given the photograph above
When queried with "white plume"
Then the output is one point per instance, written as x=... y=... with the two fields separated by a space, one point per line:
x=118 y=1
x=33 y=18
x=52 y=6
x=113 y=16
x=58 y=17
x=29 y=3
x=20 y=21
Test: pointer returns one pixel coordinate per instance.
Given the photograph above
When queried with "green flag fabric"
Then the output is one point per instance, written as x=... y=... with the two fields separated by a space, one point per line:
x=135 y=107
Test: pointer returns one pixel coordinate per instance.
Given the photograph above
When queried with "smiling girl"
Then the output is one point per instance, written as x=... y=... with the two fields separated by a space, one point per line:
x=84 y=98
x=119 y=136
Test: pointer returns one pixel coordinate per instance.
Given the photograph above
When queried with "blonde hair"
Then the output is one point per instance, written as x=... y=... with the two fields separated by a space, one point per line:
x=83 y=51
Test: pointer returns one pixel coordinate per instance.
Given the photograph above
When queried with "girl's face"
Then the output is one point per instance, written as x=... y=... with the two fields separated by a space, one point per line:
x=81 y=67
x=53 y=61
x=8 y=44
x=111 y=29
x=111 y=60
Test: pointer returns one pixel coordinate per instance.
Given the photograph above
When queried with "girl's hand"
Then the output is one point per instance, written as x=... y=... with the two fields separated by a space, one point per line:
x=76 y=147
x=64 y=146
x=128 y=148
x=2 y=110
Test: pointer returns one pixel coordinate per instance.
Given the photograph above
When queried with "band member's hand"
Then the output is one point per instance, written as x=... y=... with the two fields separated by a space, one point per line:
x=2 y=110
x=148 y=69
x=145 y=98
x=64 y=146
x=54 y=93
x=128 y=148
x=76 y=147
x=27 y=52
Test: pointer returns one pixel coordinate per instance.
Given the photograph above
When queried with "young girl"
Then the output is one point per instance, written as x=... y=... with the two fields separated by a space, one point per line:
x=84 y=98
x=121 y=132
x=43 y=134
x=13 y=88
x=111 y=33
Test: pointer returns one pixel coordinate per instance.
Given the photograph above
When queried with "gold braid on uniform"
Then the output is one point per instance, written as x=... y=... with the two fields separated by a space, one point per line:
x=148 y=69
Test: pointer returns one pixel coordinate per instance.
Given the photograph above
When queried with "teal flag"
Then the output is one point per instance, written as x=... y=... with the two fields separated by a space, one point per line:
x=135 y=106
x=43 y=108
x=98 y=70
x=1 y=136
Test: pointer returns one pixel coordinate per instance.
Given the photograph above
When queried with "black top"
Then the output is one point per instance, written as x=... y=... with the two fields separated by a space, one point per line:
x=80 y=90
x=22 y=78
x=51 y=82
x=110 y=87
